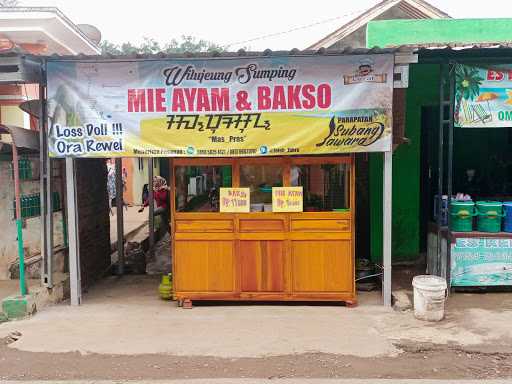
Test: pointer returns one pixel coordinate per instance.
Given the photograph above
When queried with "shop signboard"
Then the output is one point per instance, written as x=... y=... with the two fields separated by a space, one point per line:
x=234 y=200
x=220 y=107
x=287 y=199
x=481 y=262
x=483 y=97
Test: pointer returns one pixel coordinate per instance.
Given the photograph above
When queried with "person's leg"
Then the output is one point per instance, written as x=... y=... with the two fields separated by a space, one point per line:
x=164 y=220
x=159 y=211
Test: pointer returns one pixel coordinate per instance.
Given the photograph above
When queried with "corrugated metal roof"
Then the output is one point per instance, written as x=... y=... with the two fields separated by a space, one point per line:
x=225 y=55
x=479 y=52
x=21 y=137
x=430 y=49
x=456 y=46
x=406 y=49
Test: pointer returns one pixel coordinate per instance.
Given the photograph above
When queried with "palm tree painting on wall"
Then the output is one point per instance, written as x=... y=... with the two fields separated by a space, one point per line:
x=469 y=107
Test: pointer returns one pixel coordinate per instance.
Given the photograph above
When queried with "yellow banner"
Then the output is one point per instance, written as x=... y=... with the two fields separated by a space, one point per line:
x=287 y=199
x=256 y=134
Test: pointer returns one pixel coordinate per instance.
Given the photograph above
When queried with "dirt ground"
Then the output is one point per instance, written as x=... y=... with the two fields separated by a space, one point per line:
x=123 y=331
x=417 y=362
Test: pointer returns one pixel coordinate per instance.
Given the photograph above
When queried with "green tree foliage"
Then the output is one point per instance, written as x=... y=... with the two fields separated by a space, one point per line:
x=467 y=84
x=151 y=46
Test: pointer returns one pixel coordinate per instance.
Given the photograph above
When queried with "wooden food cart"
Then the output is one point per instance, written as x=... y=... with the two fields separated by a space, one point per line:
x=263 y=255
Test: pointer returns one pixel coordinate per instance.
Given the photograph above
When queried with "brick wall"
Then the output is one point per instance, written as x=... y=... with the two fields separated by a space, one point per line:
x=93 y=219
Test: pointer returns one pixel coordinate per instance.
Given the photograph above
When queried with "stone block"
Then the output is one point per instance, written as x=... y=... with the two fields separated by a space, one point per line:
x=401 y=301
x=18 y=307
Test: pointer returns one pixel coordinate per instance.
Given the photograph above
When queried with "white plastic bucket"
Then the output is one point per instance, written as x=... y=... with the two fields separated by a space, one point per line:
x=429 y=297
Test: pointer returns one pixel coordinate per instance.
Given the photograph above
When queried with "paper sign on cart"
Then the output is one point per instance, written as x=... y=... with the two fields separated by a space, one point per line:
x=287 y=199
x=234 y=200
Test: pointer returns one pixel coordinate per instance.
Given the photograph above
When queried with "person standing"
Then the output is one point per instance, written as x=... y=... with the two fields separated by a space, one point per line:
x=160 y=196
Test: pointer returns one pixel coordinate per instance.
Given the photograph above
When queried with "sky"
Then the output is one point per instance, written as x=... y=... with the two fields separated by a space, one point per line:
x=239 y=24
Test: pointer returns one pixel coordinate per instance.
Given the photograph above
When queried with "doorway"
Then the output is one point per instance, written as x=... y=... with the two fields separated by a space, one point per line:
x=429 y=170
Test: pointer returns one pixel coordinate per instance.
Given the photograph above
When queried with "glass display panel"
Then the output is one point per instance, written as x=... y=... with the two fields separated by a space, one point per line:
x=326 y=186
x=260 y=178
x=197 y=187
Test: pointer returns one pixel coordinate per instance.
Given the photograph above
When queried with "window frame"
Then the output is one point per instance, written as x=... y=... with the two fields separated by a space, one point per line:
x=285 y=161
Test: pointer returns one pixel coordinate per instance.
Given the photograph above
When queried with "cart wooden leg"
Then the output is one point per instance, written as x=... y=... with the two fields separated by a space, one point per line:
x=186 y=304
x=180 y=303
x=351 y=303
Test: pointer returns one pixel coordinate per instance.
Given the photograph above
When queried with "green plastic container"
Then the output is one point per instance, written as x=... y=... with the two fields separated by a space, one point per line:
x=490 y=214
x=462 y=213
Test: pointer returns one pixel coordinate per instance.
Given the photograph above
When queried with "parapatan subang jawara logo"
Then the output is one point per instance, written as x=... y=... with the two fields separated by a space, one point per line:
x=359 y=131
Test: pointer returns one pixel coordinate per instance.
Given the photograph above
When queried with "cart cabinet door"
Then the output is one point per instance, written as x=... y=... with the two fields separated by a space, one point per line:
x=263 y=266
x=204 y=266
x=322 y=266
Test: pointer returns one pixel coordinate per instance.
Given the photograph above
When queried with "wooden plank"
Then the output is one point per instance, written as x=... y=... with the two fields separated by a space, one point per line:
x=204 y=236
x=267 y=296
x=198 y=161
x=262 y=266
x=263 y=216
x=261 y=160
x=321 y=215
x=322 y=266
x=204 y=226
x=320 y=236
x=235 y=174
x=204 y=216
x=321 y=160
x=286 y=174
x=262 y=236
x=320 y=225
x=399 y=109
x=204 y=266
x=262 y=225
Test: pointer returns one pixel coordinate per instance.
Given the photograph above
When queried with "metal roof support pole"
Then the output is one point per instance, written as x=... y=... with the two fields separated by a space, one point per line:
x=119 y=215
x=437 y=269
x=451 y=80
x=73 y=239
x=42 y=187
x=48 y=218
x=151 y=203
x=45 y=188
x=19 y=220
x=48 y=212
x=387 y=216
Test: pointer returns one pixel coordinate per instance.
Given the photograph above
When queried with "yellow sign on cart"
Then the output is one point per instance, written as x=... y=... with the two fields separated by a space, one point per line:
x=287 y=199
x=234 y=200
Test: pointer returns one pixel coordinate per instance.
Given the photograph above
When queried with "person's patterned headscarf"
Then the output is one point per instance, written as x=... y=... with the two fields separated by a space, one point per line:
x=159 y=182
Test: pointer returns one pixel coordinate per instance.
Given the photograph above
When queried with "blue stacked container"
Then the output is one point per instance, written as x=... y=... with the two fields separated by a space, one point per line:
x=507 y=220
